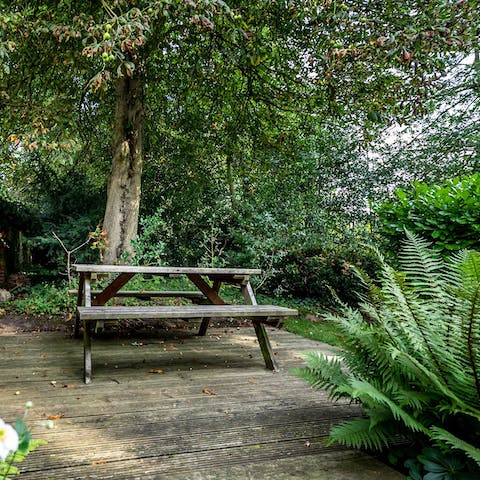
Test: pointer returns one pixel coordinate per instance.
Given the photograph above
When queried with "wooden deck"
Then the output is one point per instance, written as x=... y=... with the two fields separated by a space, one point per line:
x=214 y=413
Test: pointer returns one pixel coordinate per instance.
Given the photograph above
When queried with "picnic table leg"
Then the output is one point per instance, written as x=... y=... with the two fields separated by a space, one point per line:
x=206 y=321
x=265 y=346
x=262 y=337
x=248 y=294
x=87 y=353
x=80 y=299
x=203 y=327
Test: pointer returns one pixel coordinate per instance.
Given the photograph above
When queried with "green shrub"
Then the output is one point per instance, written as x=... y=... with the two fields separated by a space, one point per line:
x=313 y=271
x=45 y=299
x=447 y=215
x=410 y=355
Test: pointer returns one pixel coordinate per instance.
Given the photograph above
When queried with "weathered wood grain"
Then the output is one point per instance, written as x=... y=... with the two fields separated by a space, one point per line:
x=132 y=424
x=184 y=311
x=166 y=270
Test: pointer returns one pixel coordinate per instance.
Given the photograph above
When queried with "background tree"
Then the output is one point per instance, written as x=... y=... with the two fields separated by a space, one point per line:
x=248 y=66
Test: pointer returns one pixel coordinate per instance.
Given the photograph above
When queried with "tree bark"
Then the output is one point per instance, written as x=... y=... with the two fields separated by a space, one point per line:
x=124 y=185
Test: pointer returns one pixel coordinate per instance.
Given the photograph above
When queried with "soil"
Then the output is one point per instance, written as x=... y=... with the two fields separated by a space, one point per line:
x=14 y=323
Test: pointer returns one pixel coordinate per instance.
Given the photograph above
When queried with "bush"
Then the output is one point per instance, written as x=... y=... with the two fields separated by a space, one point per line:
x=314 y=271
x=410 y=355
x=45 y=299
x=447 y=214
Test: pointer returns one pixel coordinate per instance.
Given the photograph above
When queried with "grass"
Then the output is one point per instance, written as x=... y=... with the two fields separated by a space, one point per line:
x=320 y=330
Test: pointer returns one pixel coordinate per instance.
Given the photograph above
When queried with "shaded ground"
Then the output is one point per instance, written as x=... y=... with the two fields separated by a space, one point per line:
x=12 y=322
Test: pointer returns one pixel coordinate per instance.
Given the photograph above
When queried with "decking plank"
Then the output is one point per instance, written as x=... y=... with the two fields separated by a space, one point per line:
x=131 y=425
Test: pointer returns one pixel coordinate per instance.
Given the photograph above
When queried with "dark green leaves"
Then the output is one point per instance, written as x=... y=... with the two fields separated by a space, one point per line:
x=447 y=214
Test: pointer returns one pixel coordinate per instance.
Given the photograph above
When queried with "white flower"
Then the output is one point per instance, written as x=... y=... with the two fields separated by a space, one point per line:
x=8 y=440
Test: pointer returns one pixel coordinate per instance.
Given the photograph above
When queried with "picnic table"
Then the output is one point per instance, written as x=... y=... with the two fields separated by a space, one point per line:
x=206 y=299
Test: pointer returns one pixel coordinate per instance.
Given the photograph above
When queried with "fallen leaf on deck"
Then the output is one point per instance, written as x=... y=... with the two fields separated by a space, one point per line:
x=98 y=462
x=251 y=380
x=156 y=370
x=207 y=391
x=55 y=417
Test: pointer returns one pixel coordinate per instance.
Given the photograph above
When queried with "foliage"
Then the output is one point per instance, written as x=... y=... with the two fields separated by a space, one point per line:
x=443 y=144
x=150 y=245
x=433 y=464
x=317 y=269
x=232 y=80
x=298 y=258
x=410 y=355
x=445 y=214
x=44 y=299
x=16 y=215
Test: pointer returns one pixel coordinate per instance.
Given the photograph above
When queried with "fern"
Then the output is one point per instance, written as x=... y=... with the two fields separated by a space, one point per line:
x=368 y=393
x=323 y=372
x=446 y=437
x=358 y=433
x=411 y=354
x=424 y=268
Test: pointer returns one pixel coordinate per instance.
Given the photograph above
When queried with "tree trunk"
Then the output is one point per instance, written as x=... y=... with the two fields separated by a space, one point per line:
x=123 y=191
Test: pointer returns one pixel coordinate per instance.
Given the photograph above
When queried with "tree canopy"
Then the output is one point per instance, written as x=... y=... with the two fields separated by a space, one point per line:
x=193 y=88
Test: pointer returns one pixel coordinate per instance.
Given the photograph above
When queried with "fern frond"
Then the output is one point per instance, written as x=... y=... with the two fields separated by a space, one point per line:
x=423 y=266
x=410 y=398
x=363 y=352
x=469 y=292
x=358 y=433
x=441 y=435
x=368 y=393
x=436 y=383
x=415 y=317
x=323 y=372
x=371 y=296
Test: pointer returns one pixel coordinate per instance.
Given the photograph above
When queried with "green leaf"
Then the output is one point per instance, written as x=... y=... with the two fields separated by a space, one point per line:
x=24 y=435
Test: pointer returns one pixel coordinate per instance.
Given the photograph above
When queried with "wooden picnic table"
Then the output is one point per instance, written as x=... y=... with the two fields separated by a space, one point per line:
x=92 y=304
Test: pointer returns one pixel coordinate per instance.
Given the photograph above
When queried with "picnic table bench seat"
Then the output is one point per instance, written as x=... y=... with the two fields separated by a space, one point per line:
x=95 y=313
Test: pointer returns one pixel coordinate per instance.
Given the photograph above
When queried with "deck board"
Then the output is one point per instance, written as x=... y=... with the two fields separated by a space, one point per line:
x=132 y=424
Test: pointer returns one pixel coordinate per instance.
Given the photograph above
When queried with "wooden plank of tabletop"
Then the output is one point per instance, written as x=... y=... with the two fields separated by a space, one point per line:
x=164 y=270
